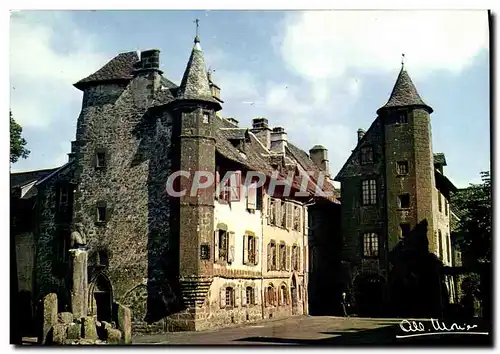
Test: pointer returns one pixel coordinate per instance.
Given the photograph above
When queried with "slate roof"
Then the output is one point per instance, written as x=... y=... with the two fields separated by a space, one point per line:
x=120 y=67
x=404 y=94
x=19 y=179
x=194 y=84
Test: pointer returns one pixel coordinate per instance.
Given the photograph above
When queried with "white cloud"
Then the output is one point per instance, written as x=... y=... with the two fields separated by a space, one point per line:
x=326 y=44
x=35 y=62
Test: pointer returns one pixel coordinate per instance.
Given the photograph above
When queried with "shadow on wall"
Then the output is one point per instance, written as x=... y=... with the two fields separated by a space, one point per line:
x=416 y=281
x=158 y=147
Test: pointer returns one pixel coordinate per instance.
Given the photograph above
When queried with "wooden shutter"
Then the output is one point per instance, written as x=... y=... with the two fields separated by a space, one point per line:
x=230 y=256
x=244 y=300
x=222 y=298
x=277 y=249
x=289 y=215
x=216 y=246
x=269 y=210
x=257 y=250
x=269 y=256
x=252 y=196
x=235 y=186
x=288 y=254
x=236 y=294
x=245 y=249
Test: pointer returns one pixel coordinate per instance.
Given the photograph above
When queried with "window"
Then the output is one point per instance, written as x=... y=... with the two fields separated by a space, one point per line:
x=250 y=295
x=103 y=257
x=402 y=167
x=283 y=209
x=439 y=202
x=223 y=245
x=370 y=245
x=401 y=118
x=101 y=212
x=296 y=218
x=440 y=245
x=282 y=256
x=446 y=207
x=100 y=158
x=404 y=201
x=369 y=192
x=230 y=191
x=229 y=297
x=295 y=257
x=270 y=296
x=206 y=117
x=283 y=295
x=272 y=256
x=63 y=198
x=251 y=242
x=366 y=155
x=405 y=230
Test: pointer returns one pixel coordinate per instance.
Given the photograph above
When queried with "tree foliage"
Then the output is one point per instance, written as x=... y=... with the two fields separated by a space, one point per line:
x=17 y=142
x=474 y=227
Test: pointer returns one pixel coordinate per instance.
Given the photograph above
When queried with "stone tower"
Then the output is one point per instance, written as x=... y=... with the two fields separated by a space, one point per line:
x=193 y=112
x=409 y=166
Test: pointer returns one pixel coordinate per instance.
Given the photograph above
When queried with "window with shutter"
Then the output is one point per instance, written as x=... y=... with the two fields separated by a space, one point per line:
x=282 y=256
x=244 y=297
x=283 y=214
x=269 y=256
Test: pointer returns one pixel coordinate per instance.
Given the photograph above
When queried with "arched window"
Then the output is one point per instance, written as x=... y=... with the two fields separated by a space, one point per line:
x=283 y=300
x=270 y=296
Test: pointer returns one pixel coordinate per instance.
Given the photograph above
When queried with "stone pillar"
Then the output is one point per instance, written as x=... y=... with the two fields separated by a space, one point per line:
x=79 y=291
x=49 y=315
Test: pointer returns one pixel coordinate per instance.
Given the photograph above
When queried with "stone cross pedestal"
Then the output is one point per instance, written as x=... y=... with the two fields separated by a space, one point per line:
x=80 y=289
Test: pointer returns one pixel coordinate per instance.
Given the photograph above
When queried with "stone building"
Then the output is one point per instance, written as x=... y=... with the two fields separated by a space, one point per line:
x=392 y=186
x=179 y=262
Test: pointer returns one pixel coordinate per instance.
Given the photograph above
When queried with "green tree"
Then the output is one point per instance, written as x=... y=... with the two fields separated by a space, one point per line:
x=474 y=228
x=17 y=142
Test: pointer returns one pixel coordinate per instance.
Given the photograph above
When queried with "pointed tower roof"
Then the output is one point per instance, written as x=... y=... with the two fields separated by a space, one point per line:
x=404 y=94
x=195 y=84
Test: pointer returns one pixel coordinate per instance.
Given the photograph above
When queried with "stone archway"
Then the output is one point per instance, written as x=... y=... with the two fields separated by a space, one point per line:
x=369 y=298
x=101 y=298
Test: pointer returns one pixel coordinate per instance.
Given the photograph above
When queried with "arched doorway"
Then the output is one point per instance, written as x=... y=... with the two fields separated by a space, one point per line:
x=295 y=297
x=101 y=298
x=369 y=296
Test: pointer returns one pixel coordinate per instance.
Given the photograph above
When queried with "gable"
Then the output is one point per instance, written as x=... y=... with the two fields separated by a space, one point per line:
x=352 y=166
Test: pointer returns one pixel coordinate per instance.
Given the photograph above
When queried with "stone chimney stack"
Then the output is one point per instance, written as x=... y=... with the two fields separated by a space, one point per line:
x=260 y=127
x=319 y=155
x=150 y=61
x=361 y=133
x=232 y=120
x=214 y=88
x=278 y=140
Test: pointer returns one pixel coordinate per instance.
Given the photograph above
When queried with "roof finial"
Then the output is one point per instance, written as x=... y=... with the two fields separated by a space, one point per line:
x=197 y=38
x=402 y=61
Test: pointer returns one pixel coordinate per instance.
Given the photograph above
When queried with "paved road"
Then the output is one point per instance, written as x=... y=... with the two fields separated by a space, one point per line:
x=294 y=330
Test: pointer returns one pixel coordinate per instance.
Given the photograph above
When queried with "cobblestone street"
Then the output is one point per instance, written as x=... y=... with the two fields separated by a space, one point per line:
x=295 y=330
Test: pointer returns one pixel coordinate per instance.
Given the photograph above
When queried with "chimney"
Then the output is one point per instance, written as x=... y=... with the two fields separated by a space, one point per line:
x=278 y=140
x=361 y=133
x=260 y=128
x=232 y=120
x=319 y=155
x=214 y=89
x=150 y=61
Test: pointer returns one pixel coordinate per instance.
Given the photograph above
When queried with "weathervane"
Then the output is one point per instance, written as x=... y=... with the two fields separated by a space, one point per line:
x=403 y=60
x=197 y=21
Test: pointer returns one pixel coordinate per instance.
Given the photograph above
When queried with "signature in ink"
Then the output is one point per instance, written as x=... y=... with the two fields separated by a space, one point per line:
x=413 y=328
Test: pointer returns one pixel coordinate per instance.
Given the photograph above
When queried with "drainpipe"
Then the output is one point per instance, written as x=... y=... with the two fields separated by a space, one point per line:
x=305 y=295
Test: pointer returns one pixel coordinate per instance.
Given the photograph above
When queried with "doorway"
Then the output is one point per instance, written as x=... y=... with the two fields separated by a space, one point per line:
x=101 y=298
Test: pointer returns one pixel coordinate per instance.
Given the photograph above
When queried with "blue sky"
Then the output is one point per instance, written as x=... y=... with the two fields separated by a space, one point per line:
x=320 y=74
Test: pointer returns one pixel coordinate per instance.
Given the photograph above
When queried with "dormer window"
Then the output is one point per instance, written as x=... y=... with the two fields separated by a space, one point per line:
x=366 y=156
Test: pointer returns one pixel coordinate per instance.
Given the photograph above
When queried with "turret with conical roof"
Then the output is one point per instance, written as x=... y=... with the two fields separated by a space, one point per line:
x=195 y=85
x=404 y=94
